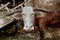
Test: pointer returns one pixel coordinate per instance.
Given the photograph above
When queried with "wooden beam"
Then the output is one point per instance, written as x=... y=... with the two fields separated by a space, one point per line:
x=18 y=5
x=4 y=5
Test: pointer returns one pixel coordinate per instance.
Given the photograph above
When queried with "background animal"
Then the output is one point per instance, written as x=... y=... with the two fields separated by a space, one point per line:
x=41 y=17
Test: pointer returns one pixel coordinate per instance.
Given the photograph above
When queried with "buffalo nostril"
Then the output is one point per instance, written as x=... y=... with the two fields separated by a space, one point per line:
x=29 y=27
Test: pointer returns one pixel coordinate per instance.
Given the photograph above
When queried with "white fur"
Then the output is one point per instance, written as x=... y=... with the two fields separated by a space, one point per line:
x=28 y=18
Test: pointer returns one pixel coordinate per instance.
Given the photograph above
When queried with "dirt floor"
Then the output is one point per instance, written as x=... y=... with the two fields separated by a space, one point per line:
x=51 y=33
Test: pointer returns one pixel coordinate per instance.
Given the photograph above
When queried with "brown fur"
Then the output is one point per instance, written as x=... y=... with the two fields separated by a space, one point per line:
x=48 y=16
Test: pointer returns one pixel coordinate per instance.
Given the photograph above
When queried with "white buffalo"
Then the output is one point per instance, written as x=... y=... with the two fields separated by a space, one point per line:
x=28 y=17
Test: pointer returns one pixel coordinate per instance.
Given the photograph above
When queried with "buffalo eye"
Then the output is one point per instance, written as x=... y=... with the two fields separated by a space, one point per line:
x=22 y=14
x=32 y=14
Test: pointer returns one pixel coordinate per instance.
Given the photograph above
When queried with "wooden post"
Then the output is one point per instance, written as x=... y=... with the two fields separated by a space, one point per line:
x=11 y=13
x=18 y=5
x=4 y=5
x=13 y=2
